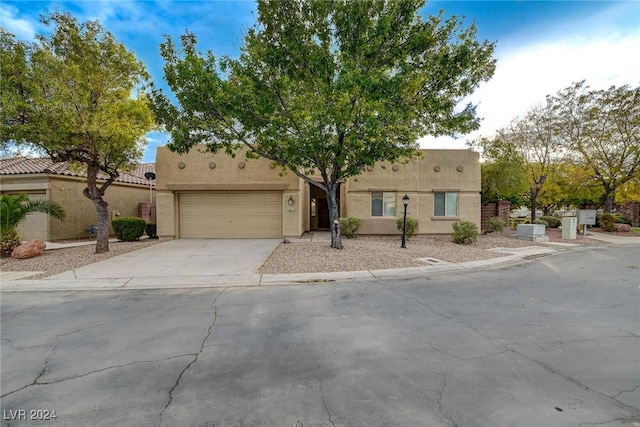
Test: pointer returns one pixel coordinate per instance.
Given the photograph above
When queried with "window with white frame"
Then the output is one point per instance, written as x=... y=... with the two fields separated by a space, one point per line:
x=383 y=204
x=446 y=204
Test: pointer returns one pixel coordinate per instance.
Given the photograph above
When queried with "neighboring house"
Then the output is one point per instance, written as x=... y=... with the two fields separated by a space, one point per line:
x=41 y=178
x=202 y=195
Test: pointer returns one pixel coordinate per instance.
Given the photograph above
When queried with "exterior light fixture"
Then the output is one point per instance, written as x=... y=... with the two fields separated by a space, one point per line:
x=405 y=202
x=150 y=176
x=290 y=200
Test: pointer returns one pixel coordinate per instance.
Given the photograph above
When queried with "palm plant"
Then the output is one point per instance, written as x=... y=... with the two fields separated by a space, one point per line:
x=13 y=210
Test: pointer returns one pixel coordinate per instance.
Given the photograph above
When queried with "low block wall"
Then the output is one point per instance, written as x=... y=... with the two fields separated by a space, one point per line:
x=501 y=209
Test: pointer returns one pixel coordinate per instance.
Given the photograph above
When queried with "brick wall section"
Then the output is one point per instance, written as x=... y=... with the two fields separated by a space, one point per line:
x=501 y=209
x=147 y=211
x=631 y=210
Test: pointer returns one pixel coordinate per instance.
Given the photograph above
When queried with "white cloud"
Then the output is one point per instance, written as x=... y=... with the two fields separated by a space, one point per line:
x=526 y=74
x=21 y=28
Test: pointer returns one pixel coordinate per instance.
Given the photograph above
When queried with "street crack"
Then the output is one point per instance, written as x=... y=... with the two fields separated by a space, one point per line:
x=324 y=403
x=441 y=409
x=86 y=374
x=195 y=356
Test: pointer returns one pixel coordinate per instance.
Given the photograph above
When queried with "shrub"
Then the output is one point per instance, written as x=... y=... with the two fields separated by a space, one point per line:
x=607 y=222
x=13 y=210
x=465 y=232
x=552 y=221
x=128 y=228
x=152 y=230
x=541 y=222
x=350 y=226
x=621 y=219
x=412 y=226
x=494 y=224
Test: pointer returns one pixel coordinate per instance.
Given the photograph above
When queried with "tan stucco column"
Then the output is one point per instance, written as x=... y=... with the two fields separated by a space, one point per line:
x=165 y=214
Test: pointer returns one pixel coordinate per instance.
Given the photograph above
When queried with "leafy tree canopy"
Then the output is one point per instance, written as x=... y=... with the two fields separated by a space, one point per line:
x=70 y=94
x=326 y=88
x=503 y=172
x=601 y=128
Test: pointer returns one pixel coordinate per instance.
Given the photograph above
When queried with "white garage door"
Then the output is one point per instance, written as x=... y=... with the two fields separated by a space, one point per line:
x=230 y=215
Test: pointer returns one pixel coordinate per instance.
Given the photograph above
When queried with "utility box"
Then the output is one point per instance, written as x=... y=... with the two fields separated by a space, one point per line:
x=569 y=224
x=587 y=217
x=532 y=232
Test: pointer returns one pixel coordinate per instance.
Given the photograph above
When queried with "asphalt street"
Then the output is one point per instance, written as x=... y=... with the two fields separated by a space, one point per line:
x=554 y=341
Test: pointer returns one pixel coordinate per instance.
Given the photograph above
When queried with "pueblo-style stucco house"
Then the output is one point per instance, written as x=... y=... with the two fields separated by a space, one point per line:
x=204 y=195
x=41 y=178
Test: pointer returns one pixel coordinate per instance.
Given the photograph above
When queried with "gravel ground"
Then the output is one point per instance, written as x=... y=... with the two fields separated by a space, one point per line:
x=383 y=252
x=60 y=260
x=363 y=253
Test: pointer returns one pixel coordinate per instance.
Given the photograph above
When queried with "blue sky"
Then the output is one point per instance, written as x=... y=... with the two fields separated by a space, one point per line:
x=542 y=46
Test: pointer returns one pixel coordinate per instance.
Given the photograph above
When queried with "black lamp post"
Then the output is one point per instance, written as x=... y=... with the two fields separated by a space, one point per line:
x=405 y=202
x=150 y=176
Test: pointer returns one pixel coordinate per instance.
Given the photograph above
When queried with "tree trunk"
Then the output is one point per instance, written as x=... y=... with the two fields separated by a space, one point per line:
x=93 y=193
x=608 y=202
x=102 y=237
x=334 y=215
x=533 y=200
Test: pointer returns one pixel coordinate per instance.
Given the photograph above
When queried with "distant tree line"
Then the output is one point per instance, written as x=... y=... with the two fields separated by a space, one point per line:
x=582 y=146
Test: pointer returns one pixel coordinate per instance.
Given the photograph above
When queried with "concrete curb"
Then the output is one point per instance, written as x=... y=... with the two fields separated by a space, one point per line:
x=254 y=280
x=70 y=283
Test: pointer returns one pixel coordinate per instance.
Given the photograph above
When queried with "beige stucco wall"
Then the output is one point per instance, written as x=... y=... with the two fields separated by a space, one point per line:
x=436 y=171
x=35 y=225
x=123 y=200
x=207 y=172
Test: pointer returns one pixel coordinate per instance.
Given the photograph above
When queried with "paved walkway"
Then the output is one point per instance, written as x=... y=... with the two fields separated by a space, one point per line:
x=193 y=263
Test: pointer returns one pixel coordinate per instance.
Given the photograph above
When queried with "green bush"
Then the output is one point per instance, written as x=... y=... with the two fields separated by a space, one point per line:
x=552 y=221
x=152 y=230
x=412 y=226
x=541 y=222
x=607 y=222
x=621 y=219
x=465 y=232
x=350 y=226
x=494 y=224
x=128 y=228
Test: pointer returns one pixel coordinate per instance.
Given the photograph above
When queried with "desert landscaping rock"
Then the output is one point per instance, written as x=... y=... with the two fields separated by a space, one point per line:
x=31 y=249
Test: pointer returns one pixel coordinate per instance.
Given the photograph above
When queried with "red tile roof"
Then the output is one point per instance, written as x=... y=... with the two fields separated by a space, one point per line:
x=25 y=165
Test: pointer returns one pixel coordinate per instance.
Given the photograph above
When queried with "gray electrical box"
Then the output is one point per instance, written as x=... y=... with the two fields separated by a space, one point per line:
x=587 y=216
x=569 y=228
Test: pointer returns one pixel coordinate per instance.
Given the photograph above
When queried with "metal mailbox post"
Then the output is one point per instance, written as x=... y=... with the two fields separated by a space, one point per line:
x=586 y=217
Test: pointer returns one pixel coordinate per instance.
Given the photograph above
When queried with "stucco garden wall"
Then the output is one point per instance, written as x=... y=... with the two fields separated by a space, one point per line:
x=123 y=200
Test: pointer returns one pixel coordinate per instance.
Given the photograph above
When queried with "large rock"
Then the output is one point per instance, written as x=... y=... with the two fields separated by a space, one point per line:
x=625 y=228
x=31 y=249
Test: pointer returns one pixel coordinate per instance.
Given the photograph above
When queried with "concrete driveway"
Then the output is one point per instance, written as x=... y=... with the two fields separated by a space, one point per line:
x=181 y=258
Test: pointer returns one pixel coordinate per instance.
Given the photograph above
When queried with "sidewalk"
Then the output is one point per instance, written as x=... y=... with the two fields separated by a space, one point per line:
x=68 y=281
x=245 y=280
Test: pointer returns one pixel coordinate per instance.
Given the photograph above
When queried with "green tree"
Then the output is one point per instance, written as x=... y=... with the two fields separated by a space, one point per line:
x=70 y=95
x=502 y=172
x=13 y=210
x=570 y=185
x=533 y=139
x=629 y=191
x=326 y=88
x=602 y=129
